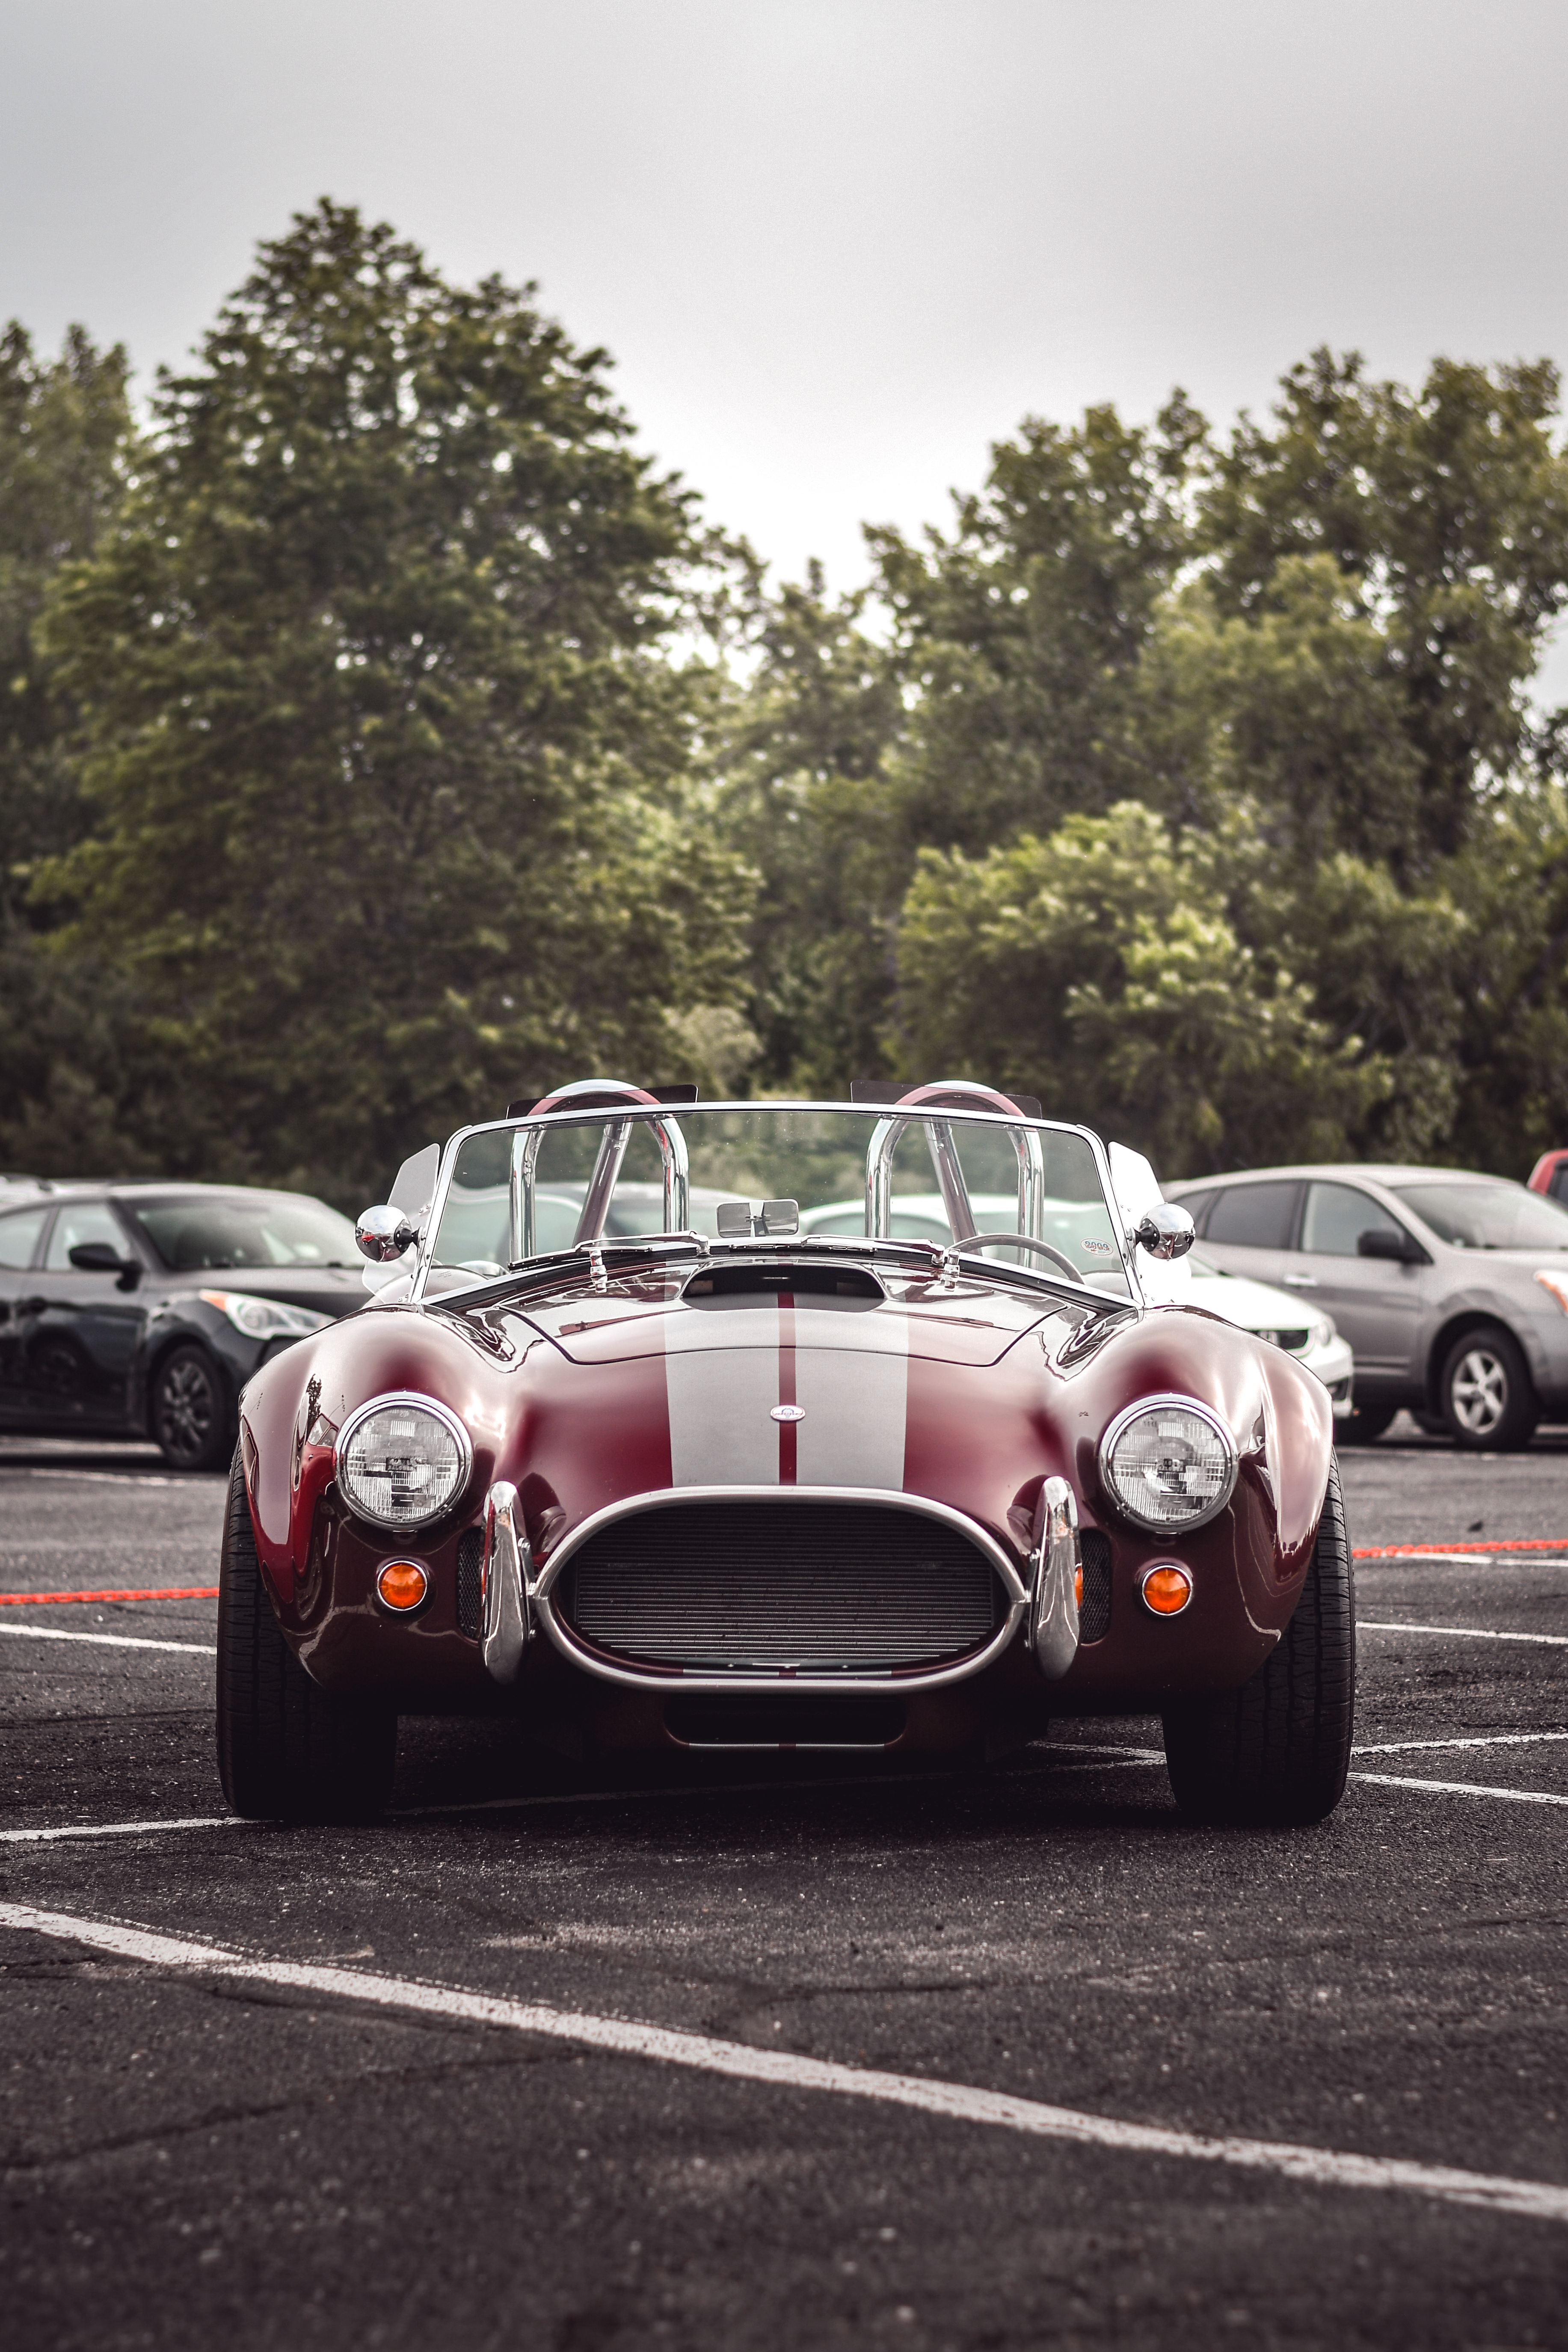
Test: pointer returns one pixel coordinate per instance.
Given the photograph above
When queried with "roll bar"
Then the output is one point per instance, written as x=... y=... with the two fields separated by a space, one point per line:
x=596 y=1094
x=950 y=1093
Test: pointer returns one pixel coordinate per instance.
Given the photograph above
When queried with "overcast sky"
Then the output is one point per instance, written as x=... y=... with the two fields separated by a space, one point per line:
x=836 y=247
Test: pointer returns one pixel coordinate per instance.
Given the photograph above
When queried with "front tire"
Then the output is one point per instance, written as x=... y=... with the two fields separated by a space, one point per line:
x=287 y=1749
x=190 y=1411
x=1276 y=1752
x=1486 y=1395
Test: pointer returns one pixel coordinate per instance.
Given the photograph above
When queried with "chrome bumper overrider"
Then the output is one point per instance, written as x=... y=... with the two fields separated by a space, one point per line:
x=517 y=1601
x=506 y=1617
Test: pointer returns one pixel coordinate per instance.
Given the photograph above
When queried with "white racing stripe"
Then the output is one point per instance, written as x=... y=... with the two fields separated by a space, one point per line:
x=112 y=1641
x=1460 y=1788
x=1320 y=2168
x=1461 y=1632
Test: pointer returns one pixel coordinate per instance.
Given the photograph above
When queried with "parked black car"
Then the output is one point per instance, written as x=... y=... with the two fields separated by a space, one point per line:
x=140 y=1310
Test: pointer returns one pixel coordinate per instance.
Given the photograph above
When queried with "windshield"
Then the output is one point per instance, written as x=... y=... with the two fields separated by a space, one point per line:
x=522 y=1190
x=238 y=1229
x=1488 y=1216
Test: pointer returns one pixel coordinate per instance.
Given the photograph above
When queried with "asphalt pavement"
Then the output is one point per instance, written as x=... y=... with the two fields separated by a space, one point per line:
x=786 y=2056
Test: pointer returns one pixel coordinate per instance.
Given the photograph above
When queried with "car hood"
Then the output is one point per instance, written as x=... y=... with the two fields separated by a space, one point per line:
x=1252 y=1305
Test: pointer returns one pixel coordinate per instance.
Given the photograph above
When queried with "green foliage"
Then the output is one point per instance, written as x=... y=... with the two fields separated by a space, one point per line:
x=63 y=434
x=1099 y=968
x=389 y=754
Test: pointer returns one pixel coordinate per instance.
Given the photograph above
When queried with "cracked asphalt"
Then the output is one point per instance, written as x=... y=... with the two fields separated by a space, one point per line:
x=191 y=2158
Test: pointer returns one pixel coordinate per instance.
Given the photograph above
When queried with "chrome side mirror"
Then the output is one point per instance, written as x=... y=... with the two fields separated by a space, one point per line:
x=383 y=1234
x=1167 y=1231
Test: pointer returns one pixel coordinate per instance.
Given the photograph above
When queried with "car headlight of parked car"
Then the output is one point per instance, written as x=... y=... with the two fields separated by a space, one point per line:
x=402 y=1461
x=1168 y=1463
x=264 y=1318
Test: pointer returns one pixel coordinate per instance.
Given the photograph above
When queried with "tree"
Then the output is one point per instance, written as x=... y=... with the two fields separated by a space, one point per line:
x=1099 y=970
x=1446 y=513
x=390 y=756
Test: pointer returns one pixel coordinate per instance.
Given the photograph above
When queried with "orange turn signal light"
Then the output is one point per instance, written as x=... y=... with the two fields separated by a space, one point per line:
x=403 y=1584
x=1077 y=1584
x=1167 y=1590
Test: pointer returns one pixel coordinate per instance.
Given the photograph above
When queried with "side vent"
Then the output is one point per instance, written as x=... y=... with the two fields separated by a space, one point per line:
x=470 y=1560
x=1094 y=1617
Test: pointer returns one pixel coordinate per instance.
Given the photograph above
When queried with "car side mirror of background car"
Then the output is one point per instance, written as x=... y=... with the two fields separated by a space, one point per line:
x=383 y=1234
x=102 y=1257
x=1401 y=1249
x=1165 y=1231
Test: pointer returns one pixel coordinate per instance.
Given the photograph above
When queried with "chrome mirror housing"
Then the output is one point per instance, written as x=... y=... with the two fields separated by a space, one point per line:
x=383 y=1234
x=1166 y=1231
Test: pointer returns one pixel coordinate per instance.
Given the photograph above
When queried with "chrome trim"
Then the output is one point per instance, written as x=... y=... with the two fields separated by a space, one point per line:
x=1145 y=1573
x=382 y=1235
x=1167 y=1231
x=1056 y=1562
x=773 y=1685
x=442 y=1412
x=505 y=1619
x=1156 y=1404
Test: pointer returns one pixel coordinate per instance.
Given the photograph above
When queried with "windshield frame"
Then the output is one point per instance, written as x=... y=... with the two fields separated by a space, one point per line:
x=878 y=1118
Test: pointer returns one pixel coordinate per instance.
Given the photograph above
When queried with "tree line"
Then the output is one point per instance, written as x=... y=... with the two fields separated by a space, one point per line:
x=384 y=738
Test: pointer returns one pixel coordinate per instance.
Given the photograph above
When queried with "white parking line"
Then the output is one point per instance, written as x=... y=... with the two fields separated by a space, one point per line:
x=117 y=1829
x=1461 y=1789
x=1322 y=2167
x=1467 y=1632
x=111 y=1641
x=1478 y=1739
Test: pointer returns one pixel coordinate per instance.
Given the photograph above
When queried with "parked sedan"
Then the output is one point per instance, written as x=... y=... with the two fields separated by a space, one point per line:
x=140 y=1310
x=1452 y=1288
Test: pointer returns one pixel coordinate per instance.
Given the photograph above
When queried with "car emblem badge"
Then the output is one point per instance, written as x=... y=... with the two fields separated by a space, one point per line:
x=788 y=1413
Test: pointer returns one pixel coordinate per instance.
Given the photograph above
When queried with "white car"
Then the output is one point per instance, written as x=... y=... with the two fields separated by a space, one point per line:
x=1273 y=1315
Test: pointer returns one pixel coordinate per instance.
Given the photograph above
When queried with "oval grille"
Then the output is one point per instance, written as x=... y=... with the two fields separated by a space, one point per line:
x=824 y=1587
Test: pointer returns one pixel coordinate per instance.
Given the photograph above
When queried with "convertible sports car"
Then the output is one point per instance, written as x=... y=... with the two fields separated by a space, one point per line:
x=624 y=1448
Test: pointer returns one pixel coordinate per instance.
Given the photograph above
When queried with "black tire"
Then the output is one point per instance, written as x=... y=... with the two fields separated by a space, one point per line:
x=287 y=1750
x=1276 y=1752
x=189 y=1415
x=1366 y=1422
x=1486 y=1395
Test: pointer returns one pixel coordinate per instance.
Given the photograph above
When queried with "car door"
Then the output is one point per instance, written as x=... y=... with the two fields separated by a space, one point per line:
x=1376 y=1302
x=81 y=1339
x=1249 y=1228
x=21 y=1231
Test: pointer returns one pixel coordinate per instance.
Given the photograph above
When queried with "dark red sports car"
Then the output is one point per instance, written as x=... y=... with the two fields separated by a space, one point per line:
x=622 y=1448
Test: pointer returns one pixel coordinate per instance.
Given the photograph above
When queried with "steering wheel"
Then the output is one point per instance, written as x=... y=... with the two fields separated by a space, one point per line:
x=1023 y=1241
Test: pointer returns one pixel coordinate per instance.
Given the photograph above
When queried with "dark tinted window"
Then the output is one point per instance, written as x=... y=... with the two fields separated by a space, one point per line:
x=1255 y=1216
x=1337 y=1216
x=256 y=1229
x=1196 y=1204
x=1557 y=1184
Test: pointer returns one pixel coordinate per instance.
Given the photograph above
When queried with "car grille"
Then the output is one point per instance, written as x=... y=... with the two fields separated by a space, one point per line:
x=470 y=1560
x=822 y=1587
x=1094 y=1613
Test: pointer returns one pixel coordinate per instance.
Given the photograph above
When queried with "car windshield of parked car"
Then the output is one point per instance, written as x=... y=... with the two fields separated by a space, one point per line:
x=1488 y=1216
x=817 y=1160
x=245 y=1229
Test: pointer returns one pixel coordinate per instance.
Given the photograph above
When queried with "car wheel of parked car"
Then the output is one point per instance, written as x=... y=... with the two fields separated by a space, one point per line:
x=1276 y=1752
x=190 y=1417
x=1489 y=1403
x=287 y=1749
x=1365 y=1422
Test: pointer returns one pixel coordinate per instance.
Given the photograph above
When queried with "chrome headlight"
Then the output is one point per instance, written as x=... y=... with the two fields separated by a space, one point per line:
x=1168 y=1463
x=403 y=1460
x=264 y=1318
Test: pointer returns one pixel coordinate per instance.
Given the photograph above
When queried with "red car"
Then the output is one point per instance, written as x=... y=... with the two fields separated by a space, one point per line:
x=620 y=1451
x=1550 y=1175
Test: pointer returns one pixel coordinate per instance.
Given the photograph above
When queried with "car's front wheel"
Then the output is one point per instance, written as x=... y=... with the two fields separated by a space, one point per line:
x=1486 y=1399
x=1276 y=1752
x=287 y=1749
x=190 y=1411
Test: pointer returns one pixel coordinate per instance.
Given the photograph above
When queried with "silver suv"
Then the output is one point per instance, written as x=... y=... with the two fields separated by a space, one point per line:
x=1452 y=1288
